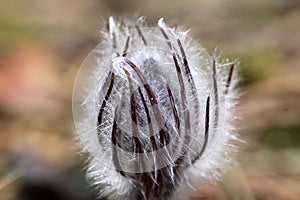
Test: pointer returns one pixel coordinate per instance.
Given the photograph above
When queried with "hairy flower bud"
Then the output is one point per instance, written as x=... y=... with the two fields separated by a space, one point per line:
x=154 y=111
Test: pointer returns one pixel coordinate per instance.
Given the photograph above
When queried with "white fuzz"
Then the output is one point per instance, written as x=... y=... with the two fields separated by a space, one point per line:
x=154 y=111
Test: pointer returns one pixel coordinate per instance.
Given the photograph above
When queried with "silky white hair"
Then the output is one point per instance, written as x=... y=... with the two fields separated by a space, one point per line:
x=155 y=112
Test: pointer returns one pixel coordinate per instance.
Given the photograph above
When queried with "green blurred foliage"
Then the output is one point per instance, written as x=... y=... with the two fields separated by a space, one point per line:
x=281 y=137
x=259 y=64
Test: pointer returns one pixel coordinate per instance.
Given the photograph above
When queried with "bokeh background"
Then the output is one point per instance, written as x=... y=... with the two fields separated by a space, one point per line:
x=42 y=44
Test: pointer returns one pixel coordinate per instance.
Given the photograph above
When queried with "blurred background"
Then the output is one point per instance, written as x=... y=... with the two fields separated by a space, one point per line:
x=42 y=44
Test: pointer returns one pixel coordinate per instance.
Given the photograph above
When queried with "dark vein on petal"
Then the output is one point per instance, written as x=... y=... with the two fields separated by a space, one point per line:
x=185 y=111
x=100 y=115
x=126 y=47
x=175 y=112
x=141 y=34
x=229 y=78
x=151 y=132
x=186 y=67
x=190 y=79
x=115 y=156
x=163 y=133
x=182 y=92
x=166 y=37
x=136 y=143
x=149 y=91
x=216 y=96
x=206 y=130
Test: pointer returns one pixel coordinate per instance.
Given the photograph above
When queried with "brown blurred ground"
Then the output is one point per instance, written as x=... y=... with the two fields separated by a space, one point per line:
x=42 y=44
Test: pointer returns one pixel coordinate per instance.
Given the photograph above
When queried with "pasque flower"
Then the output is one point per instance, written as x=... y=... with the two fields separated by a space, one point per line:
x=154 y=111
